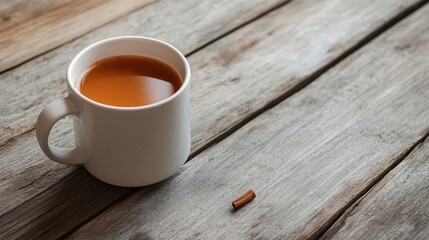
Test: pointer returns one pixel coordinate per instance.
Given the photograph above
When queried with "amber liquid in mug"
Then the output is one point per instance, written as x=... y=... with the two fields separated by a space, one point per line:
x=129 y=81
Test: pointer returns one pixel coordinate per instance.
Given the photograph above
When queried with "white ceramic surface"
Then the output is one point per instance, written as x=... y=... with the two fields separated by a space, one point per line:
x=123 y=146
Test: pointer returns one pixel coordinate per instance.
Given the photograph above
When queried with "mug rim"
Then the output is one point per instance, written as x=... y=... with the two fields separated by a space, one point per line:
x=185 y=83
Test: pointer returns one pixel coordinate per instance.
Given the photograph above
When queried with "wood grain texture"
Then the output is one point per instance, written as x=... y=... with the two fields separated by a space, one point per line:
x=396 y=208
x=30 y=28
x=49 y=218
x=307 y=158
x=16 y=12
x=35 y=175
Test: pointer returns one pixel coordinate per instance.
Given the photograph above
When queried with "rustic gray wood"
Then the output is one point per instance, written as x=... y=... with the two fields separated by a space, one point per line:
x=397 y=207
x=30 y=28
x=307 y=158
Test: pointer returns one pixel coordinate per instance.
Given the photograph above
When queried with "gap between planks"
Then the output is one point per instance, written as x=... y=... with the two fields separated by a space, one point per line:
x=360 y=195
x=374 y=34
x=358 y=208
x=96 y=214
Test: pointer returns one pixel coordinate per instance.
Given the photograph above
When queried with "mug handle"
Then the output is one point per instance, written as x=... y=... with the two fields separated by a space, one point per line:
x=46 y=120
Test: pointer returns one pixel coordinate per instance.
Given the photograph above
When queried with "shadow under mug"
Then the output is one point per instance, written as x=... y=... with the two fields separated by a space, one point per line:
x=123 y=146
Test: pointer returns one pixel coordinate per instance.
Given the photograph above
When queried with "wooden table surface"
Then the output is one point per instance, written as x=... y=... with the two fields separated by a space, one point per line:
x=320 y=106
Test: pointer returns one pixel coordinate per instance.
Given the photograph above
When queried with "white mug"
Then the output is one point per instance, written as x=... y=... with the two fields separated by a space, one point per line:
x=123 y=146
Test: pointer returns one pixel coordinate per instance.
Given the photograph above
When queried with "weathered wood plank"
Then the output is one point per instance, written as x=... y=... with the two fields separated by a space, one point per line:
x=397 y=207
x=307 y=158
x=30 y=28
x=16 y=12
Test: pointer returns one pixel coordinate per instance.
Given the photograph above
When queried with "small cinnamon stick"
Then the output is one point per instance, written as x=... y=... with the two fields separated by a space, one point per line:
x=243 y=199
